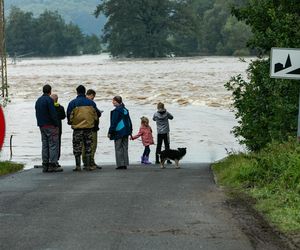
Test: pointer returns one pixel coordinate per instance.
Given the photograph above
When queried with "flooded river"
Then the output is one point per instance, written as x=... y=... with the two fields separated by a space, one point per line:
x=191 y=88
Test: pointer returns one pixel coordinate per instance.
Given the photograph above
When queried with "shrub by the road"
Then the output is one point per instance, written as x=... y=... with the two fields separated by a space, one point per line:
x=8 y=167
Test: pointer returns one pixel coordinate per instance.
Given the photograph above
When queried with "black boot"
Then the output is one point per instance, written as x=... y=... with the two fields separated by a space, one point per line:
x=78 y=163
x=121 y=167
x=45 y=167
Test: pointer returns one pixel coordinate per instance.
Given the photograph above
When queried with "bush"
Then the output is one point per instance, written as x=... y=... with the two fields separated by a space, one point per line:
x=266 y=109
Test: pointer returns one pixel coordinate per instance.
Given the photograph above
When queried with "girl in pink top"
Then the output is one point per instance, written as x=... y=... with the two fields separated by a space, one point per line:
x=147 y=139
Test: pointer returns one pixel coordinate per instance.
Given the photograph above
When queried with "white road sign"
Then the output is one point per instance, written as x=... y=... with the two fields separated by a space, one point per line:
x=285 y=63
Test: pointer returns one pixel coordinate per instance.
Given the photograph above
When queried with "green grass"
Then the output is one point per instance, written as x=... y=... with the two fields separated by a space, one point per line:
x=271 y=177
x=8 y=167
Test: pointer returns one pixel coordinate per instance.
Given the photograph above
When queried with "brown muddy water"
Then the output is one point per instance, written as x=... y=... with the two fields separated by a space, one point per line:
x=191 y=88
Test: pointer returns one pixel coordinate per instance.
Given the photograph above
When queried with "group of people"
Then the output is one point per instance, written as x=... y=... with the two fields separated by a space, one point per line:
x=83 y=116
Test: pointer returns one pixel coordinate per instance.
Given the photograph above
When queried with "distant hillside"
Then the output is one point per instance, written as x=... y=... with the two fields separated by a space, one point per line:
x=79 y=12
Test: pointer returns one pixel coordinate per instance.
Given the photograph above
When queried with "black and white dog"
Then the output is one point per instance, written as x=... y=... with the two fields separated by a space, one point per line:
x=171 y=154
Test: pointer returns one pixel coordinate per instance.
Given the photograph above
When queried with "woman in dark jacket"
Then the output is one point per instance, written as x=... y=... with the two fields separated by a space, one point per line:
x=119 y=130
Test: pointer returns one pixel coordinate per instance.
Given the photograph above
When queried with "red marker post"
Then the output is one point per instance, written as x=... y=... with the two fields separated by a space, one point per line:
x=2 y=127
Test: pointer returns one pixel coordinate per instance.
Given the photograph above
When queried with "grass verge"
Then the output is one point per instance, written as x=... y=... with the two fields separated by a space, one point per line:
x=272 y=178
x=8 y=167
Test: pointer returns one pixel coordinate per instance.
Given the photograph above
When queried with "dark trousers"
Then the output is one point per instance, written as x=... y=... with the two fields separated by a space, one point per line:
x=121 y=151
x=146 y=151
x=160 y=139
x=49 y=144
x=59 y=145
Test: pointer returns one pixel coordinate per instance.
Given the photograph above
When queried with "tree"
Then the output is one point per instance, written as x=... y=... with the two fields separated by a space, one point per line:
x=50 y=27
x=137 y=28
x=153 y=28
x=73 y=40
x=214 y=20
x=46 y=35
x=186 y=26
x=267 y=108
x=273 y=23
x=206 y=26
x=20 y=32
x=235 y=35
x=92 y=45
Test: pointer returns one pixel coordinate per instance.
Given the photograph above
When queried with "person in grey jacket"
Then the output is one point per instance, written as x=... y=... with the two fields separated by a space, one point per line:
x=162 y=117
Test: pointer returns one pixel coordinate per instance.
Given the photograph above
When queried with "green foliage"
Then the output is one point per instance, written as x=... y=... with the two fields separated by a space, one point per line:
x=274 y=23
x=20 y=31
x=136 y=28
x=266 y=109
x=272 y=177
x=185 y=28
x=47 y=35
x=152 y=28
x=214 y=20
x=91 y=45
x=8 y=167
x=235 y=34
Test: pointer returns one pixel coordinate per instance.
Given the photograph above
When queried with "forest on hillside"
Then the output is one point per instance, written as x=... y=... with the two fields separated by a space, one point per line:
x=79 y=12
x=46 y=35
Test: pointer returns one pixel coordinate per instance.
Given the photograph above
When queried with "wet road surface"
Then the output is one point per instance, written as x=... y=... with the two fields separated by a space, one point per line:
x=138 y=208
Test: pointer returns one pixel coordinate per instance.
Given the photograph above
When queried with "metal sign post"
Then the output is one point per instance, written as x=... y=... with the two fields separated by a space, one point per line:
x=285 y=64
x=2 y=127
x=298 y=129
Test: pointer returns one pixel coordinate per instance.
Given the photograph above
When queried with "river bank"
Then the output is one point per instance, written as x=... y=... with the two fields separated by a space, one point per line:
x=267 y=181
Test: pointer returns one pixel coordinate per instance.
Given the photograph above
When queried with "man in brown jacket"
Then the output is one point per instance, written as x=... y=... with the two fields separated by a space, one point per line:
x=82 y=114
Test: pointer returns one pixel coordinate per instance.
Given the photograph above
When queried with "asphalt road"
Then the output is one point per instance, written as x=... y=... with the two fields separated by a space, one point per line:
x=139 y=208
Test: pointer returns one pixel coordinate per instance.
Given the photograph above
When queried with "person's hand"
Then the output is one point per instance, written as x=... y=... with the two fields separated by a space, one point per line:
x=108 y=135
x=131 y=137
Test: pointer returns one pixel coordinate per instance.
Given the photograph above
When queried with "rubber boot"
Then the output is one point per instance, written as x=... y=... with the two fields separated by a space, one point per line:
x=78 y=163
x=89 y=165
x=146 y=160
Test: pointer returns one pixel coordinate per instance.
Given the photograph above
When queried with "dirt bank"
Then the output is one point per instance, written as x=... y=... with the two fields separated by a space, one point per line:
x=261 y=234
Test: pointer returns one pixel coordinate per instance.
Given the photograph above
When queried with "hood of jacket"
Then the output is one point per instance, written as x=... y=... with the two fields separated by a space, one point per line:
x=161 y=111
x=121 y=108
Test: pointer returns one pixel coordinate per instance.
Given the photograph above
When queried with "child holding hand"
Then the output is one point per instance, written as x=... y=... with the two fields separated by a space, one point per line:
x=145 y=132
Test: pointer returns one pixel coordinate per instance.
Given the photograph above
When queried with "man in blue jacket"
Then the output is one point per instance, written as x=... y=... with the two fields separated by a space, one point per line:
x=46 y=117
